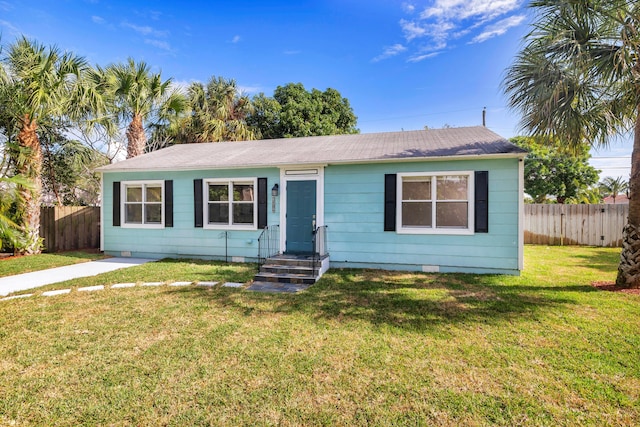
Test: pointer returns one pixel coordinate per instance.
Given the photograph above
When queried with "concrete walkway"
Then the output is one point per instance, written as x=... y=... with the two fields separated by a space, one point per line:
x=35 y=279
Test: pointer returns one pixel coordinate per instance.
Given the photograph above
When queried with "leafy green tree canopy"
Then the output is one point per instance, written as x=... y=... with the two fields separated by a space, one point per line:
x=551 y=170
x=295 y=112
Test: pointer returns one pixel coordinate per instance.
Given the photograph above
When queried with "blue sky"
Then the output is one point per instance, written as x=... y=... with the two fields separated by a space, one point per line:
x=401 y=64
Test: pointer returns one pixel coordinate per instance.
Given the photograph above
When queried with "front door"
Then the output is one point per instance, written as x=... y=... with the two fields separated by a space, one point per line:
x=301 y=216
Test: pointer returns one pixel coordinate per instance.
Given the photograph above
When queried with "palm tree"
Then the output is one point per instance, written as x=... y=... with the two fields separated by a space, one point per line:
x=40 y=83
x=218 y=113
x=138 y=96
x=578 y=78
x=614 y=186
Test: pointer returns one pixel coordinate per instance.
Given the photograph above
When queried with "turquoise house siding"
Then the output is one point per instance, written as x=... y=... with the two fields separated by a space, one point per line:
x=354 y=212
x=183 y=239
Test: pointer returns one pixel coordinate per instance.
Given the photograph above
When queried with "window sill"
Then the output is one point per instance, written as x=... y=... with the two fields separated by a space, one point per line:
x=230 y=227
x=148 y=226
x=436 y=231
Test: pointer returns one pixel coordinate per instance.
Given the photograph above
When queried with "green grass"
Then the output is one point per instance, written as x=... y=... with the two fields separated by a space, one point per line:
x=361 y=347
x=26 y=264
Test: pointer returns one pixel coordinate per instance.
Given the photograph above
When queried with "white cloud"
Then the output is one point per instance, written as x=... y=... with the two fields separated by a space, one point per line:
x=145 y=30
x=389 y=52
x=97 y=19
x=5 y=6
x=440 y=21
x=418 y=58
x=498 y=29
x=160 y=44
x=412 y=30
x=250 y=89
x=463 y=9
x=235 y=39
x=408 y=7
x=13 y=30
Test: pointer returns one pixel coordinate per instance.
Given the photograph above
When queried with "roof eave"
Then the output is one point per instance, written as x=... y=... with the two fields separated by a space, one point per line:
x=311 y=163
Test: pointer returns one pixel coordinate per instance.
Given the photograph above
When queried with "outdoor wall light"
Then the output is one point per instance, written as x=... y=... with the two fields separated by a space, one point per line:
x=274 y=194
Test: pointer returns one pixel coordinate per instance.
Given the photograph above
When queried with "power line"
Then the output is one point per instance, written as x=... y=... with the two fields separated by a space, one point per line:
x=611 y=158
x=422 y=115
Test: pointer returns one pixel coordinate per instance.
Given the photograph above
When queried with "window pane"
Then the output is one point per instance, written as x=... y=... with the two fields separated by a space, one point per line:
x=133 y=214
x=452 y=187
x=242 y=192
x=218 y=213
x=416 y=214
x=416 y=190
x=153 y=213
x=452 y=215
x=243 y=213
x=134 y=194
x=218 y=192
x=154 y=194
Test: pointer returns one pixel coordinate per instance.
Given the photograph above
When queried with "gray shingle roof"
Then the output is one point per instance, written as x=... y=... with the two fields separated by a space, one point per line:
x=359 y=148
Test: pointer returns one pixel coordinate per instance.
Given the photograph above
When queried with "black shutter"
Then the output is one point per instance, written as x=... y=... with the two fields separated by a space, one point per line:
x=197 y=203
x=390 y=202
x=482 y=202
x=262 y=202
x=168 y=203
x=116 y=204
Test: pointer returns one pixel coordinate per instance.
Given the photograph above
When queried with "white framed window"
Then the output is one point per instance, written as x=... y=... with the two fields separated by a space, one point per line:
x=142 y=204
x=231 y=203
x=435 y=203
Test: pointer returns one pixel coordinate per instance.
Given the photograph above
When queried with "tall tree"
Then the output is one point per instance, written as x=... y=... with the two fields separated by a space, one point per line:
x=140 y=96
x=578 y=77
x=551 y=170
x=40 y=84
x=218 y=112
x=294 y=112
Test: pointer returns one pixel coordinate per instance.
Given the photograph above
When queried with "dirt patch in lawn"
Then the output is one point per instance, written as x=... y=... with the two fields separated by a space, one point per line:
x=612 y=287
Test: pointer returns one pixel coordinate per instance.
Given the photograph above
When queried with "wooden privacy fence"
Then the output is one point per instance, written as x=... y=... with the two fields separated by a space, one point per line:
x=589 y=225
x=67 y=228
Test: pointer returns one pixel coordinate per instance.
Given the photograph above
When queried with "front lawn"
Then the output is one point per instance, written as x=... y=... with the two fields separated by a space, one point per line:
x=361 y=347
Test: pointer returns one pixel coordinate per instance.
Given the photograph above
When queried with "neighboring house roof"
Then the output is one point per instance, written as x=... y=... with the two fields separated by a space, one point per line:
x=621 y=199
x=356 y=148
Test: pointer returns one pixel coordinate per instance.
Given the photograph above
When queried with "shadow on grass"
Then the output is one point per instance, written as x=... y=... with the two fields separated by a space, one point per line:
x=600 y=259
x=416 y=302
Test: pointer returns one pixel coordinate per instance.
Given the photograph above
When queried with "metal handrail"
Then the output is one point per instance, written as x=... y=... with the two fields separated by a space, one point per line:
x=319 y=245
x=268 y=243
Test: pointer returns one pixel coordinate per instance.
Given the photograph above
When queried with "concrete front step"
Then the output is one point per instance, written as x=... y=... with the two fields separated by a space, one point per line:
x=294 y=260
x=288 y=273
x=285 y=278
x=288 y=269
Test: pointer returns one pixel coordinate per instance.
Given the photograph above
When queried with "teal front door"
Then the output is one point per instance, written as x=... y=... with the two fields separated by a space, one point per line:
x=301 y=216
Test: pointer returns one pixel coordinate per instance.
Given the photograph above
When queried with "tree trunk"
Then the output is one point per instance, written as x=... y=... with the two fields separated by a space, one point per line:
x=31 y=169
x=136 y=139
x=629 y=268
